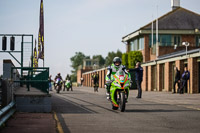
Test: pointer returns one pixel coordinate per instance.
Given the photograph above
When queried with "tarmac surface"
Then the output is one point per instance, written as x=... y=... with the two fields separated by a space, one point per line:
x=86 y=111
x=30 y=123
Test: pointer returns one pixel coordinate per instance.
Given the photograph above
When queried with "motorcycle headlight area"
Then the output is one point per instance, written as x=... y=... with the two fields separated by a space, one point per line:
x=116 y=84
x=127 y=84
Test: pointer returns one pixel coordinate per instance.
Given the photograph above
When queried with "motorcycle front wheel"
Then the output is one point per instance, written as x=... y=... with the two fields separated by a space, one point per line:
x=59 y=88
x=122 y=103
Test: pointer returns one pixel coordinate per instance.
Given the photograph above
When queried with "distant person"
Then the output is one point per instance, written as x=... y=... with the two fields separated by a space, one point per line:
x=138 y=78
x=177 y=80
x=82 y=79
x=95 y=79
x=50 y=85
x=58 y=76
x=68 y=78
x=185 y=77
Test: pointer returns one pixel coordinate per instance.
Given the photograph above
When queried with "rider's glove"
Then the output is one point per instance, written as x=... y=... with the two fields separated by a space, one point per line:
x=131 y=82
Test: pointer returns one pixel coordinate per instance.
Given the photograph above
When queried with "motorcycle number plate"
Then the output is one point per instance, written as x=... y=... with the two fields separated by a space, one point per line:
x=121 y=77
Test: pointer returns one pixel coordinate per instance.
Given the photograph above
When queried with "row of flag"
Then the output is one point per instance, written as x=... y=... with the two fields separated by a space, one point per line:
x=40 y=53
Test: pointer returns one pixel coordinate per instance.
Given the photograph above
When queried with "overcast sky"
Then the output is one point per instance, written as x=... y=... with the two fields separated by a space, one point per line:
x=89 y=26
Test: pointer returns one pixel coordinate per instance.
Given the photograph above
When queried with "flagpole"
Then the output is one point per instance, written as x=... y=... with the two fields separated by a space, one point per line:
x=157 y=34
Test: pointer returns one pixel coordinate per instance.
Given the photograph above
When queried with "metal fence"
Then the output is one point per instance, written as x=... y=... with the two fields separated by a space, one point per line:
x=7 y=103
x=35 y=77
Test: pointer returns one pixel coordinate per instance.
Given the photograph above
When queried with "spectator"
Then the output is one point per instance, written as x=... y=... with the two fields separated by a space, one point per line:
x=82 y=81
x=185 y=77
x=95 y=77
x=50 y=85
x=177 y=80
x=139 y=78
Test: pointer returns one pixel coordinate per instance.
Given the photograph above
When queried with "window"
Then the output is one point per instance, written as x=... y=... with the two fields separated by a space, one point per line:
x=150 y=39
x=134 y=44
x=154 y=39
x=137 y=44
x=165 y=40
x=88 y=63
x=176 y=40
x=141 y=43
x=197 y=41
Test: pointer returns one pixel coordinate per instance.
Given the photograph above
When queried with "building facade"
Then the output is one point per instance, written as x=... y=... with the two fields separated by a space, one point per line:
x=88 y=65
x=164 y=52
x=177 y=26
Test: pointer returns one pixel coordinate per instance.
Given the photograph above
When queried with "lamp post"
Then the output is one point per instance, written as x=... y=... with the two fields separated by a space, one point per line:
x=186 y=44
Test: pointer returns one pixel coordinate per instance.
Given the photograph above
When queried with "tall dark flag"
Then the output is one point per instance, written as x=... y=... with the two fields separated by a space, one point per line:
x=41 y=33
x=35 y=59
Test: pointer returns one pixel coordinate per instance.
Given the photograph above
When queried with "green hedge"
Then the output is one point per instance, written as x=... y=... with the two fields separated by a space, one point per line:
x=133 y=58
x=125 y=59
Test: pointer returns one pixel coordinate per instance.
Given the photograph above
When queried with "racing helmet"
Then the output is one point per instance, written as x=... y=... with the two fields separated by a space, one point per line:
x=117 y=59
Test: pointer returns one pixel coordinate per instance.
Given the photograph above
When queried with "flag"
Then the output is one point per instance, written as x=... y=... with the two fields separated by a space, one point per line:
x=35 y=59
x=41 y=33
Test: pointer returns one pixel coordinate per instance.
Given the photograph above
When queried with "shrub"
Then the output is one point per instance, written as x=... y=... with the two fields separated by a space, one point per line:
x=133 y=58
x=125 y=59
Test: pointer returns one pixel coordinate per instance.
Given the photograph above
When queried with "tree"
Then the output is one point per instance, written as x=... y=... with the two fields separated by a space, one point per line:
x=100 y=58
x=125 y=59
x=111 y=56
x=77 y=60
x=73 y=77
x=133 y=58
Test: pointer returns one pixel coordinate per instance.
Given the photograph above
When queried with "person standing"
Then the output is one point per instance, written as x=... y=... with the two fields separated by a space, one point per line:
x=82 y=79
x=138 y=77
x=185 y=77
x=177 y=80
x=95 y=78
x=50 y=85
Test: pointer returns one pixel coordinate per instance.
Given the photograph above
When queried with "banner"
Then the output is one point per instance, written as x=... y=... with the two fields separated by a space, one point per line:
x=35 y=59
x=41 y=33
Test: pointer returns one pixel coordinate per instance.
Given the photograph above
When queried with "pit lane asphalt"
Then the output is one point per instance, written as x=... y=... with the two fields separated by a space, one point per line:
x=83 y=111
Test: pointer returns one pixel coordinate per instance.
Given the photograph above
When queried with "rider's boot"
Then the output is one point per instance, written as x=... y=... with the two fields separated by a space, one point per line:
x=108 y=92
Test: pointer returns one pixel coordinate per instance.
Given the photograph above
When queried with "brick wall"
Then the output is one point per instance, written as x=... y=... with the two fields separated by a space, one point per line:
x=163 y=73
x=88 y=78
x=189 y=38
x=170 y=49
x=167 y=76
x=128 y=47
x=145 y=79
x=146 y=51
x=149 y=78
x=79 y=75
x=159 y=77
x=193 y=82
x=152 y=56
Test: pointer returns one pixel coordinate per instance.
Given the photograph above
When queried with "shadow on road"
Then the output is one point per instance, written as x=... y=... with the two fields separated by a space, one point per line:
x=65 y=106
x=155 y=111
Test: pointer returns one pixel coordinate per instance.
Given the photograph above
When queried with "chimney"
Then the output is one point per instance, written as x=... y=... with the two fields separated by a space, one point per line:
x=175 y=4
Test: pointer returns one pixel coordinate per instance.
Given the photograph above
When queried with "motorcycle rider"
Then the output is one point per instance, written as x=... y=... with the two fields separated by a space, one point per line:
x=68 y=78
x=112 y=70
x=57 y=76
x=95 y=78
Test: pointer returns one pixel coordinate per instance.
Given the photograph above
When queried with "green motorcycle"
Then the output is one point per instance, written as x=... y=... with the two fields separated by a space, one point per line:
x=68 y=85
x=119 y=90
